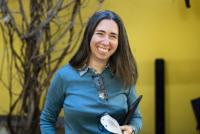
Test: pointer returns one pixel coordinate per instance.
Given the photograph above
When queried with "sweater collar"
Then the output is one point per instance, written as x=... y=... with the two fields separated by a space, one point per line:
x=83 y=70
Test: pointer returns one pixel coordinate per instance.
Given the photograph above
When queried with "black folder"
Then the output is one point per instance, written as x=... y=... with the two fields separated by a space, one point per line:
x=131 y=110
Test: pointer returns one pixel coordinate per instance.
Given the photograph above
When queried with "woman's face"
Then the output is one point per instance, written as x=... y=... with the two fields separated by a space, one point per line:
x=104 y=41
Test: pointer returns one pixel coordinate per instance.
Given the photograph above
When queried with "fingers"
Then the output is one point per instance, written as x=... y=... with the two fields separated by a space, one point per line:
x=126 y=129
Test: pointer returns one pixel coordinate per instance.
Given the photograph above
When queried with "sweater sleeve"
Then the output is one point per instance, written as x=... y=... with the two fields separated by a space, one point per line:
x=53 y=104
x=136 y=118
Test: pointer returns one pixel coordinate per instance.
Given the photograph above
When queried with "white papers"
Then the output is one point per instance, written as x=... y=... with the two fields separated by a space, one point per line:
x=110 y=124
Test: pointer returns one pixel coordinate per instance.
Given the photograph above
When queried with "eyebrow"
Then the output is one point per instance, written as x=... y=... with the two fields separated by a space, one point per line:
x=112 y=33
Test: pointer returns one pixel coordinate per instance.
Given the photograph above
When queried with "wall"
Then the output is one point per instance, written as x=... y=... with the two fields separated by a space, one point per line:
x=165 y=29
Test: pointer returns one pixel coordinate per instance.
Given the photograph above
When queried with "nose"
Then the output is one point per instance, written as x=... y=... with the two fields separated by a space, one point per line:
x=105 y=41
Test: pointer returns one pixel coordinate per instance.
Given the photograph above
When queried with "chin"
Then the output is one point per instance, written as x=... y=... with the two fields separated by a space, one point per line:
x=103 y=58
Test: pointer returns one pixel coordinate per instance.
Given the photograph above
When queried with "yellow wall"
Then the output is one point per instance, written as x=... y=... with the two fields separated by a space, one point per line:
x=162 y=29
x=165 y=29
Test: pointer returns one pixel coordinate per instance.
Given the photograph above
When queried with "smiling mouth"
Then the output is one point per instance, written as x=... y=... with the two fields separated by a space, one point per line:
x=103 y=50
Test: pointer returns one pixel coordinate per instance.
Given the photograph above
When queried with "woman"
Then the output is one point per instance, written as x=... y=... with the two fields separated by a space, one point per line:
x=100 y=78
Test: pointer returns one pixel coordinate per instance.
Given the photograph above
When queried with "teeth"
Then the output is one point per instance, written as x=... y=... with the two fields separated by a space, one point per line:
x=103 y=50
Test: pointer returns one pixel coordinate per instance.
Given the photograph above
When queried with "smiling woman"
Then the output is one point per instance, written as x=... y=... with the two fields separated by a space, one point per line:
x=100 y=79
x=103 y=44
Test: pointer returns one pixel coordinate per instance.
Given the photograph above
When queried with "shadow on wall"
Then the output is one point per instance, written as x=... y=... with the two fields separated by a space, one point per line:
x=196 y=109
x=189 y=6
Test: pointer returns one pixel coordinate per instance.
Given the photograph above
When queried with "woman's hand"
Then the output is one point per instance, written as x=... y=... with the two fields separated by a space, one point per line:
x=127 y=129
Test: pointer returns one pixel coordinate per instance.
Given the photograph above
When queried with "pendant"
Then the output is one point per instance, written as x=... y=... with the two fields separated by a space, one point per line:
x=103 y=95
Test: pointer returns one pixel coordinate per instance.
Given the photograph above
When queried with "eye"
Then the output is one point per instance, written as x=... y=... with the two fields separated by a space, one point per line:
x=99 y=33
x=114 y=36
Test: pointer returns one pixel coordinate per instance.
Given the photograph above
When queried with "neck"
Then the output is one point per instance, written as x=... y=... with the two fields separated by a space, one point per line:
x=97 y=65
